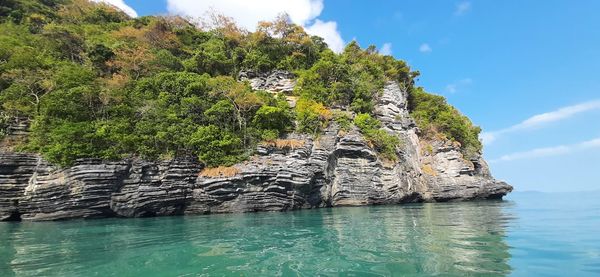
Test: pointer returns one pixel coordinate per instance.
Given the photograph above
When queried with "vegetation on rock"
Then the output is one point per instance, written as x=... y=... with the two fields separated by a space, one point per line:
x=384 y=142
x=436 y=118
x=4 y=121
x=352 y=79
x=96 y=83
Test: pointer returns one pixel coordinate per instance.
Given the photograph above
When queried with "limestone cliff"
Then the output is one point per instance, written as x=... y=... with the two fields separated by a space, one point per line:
x=339 y=168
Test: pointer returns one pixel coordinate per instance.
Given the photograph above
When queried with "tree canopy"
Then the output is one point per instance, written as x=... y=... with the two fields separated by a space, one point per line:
x=97 y=83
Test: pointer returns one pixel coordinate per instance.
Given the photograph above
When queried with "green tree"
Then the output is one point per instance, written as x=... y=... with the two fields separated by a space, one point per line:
x=166 y=61
x=100 y=55
x=212 y=58
x=275 y=121
x=216 y=146
x=312 y=116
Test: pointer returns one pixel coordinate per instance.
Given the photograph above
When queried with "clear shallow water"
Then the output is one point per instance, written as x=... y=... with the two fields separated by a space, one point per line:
x=530 y=234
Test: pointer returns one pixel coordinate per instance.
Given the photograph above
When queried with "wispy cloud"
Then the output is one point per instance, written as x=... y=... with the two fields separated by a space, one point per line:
x=456 y=86
x=425 y=48
x=386 y=49
x=119 y=4
x=541 y=119
x=462 y=8
x=550 y=151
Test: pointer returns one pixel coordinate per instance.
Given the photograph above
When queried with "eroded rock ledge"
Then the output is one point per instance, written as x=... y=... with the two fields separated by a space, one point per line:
x=337 y=169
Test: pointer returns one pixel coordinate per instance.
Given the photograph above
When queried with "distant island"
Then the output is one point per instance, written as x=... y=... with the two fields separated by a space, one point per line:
x=103 y=115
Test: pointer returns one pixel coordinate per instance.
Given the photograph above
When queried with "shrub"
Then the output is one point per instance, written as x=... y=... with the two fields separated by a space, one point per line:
x=433 y=116
x=4 y=120
x=273 y=119
x=269 y=135
x=366 y=123
x=382 y=141
x=312 y=116
x=216 y=146
x=343 y=120
x=165 y=61
x=80 y=137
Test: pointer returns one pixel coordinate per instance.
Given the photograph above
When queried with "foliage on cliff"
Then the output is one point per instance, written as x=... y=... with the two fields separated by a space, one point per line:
x=436 y=118
x=352 y=79
x=382 y=141
x=4 y=120
x=96 y=83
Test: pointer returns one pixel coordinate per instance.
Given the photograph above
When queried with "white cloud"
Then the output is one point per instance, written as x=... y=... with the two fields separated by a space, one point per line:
x=559 y=114
x=248 y=13
x=550 y=151
x=454 y=87
x=425 y=48
x=119 y=4
x=386 y=49
x=462 y=8
x=541 y=119
x=328 y=31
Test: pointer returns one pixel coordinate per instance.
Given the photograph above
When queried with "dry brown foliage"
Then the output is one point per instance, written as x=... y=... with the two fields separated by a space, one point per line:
x=160 y=35
x=136 y=61
x=282 y=27
x=223 y=25
x=221 y=171
x=130 y=34
x=116 y=81
x=9 y=143
x=427 y=147
x=285 y=143
x=78 y=9
x=427 y=169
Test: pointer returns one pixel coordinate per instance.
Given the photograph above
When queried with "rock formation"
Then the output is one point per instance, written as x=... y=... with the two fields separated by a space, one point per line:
x=339 y=168
x=278 y=81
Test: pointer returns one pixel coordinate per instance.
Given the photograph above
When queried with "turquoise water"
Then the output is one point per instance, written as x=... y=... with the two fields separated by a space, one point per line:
x=530 y=234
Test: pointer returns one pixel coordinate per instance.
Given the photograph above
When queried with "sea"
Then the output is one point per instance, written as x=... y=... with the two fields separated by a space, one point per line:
x=526 y=234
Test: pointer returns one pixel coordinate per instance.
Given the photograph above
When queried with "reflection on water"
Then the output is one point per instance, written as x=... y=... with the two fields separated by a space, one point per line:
x=450 y=238
x=430 y=238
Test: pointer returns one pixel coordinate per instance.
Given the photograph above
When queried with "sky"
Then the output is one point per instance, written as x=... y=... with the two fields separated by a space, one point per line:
x=527 y=72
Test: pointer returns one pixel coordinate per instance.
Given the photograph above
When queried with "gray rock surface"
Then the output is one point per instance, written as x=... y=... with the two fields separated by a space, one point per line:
x=337 y=169
x=277 y=81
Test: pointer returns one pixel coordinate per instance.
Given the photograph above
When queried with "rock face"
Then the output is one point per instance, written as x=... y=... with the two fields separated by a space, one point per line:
x=277 y=81
x=337 y=169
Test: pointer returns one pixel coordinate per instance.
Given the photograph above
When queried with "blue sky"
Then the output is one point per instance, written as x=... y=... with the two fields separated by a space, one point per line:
x=527 y=72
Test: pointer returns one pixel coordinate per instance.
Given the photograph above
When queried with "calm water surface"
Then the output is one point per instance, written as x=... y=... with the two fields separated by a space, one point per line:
x=530 y=234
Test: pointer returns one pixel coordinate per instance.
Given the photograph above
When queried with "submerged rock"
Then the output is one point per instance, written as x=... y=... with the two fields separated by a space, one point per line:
x=337 y=169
